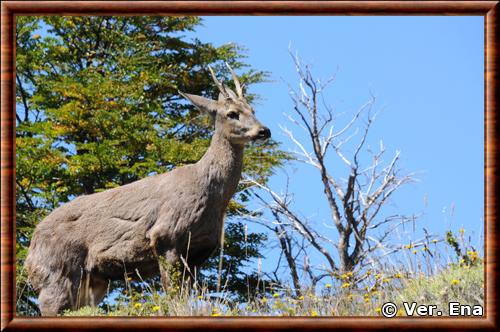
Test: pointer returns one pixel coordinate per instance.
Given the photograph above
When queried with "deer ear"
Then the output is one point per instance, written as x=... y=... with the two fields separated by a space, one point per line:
x=202 y=103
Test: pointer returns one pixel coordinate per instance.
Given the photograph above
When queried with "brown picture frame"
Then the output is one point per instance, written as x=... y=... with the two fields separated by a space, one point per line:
x=11 y=9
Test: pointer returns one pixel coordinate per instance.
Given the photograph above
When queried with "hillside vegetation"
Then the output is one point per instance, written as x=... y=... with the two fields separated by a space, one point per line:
x=349 y=294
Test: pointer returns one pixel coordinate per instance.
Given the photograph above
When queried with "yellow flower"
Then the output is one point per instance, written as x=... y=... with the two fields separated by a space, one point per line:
x=200 y=297
x=301 y=297
x=378 y=310
x=400 y=312
x=216 y=314
x=425 y=249
x=378 y=276
x=408 y=246
x=461 y=231
x=275 y=295
x=138 y=305
x=345 y=285
x=473 y=255
x=414 y=252
x=328 y=286
x=397 y=275
x=434 y=241
x=367 y=299
x=156 y=308
x=455 y=282
x=263 y=300
x=314 y=313
x=386 y=280
x=129 y=278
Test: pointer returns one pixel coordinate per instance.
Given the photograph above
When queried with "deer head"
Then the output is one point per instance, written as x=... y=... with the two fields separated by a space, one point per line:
x=234 y=118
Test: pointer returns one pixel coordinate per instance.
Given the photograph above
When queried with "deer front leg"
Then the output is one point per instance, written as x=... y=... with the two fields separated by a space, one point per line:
x=168 y=266
x=167 y=249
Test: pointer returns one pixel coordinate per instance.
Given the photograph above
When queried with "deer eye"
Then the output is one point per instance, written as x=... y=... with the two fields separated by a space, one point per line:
x=233 y=115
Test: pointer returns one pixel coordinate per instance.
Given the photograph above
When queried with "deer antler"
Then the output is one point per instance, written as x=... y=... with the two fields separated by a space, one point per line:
x=237 y=84
x=227 y=92
x=220 y=85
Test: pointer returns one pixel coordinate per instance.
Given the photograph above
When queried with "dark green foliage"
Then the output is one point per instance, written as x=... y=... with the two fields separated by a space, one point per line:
x=466 y=254
x=98 y=107
x=240 y=248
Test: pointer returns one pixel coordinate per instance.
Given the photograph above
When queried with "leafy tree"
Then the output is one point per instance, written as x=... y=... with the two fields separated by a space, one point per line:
x=98 y=107
x=239 y=248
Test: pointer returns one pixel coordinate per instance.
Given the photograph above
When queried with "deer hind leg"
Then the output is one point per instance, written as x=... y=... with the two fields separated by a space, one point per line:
x=56 y=297
x=91 y=291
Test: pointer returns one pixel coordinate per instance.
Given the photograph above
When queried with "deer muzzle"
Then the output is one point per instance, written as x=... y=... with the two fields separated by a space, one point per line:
x=263 y=134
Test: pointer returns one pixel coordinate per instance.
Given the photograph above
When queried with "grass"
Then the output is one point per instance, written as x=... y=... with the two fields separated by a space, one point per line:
x=357 y=293
x=458 y=282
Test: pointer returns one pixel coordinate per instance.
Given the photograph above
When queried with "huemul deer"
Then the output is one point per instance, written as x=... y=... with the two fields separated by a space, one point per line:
x=84 y=244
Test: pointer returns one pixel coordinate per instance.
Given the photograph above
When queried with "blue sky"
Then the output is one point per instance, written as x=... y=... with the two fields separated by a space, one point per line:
x=427 y=74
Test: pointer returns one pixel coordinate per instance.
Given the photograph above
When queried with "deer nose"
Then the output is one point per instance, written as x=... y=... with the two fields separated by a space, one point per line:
x=264 y=133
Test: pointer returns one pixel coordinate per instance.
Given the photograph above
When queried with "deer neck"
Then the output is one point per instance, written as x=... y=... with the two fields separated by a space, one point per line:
x=221 y=167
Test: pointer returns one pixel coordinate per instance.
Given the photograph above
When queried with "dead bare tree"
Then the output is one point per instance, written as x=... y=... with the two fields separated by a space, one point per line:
x=355 y=203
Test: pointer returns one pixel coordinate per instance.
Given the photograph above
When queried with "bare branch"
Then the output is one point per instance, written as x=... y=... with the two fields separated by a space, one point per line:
x=355 y=202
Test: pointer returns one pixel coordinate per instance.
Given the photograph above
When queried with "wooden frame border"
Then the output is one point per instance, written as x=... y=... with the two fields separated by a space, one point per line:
x=10 y=9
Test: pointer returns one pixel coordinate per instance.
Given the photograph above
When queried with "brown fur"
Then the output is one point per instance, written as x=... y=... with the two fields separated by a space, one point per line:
x=82 y=245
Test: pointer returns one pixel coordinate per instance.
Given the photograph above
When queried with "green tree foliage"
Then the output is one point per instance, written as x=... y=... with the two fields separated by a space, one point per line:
x=98 y=107
x=239 y=248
